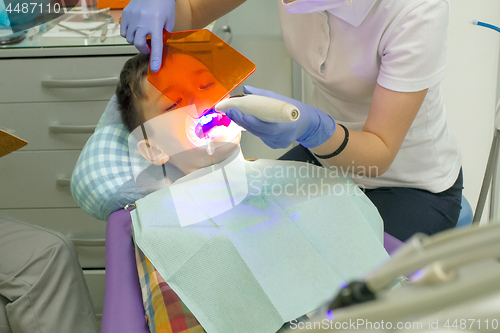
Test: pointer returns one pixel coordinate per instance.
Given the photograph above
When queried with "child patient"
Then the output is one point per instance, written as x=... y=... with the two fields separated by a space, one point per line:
x=224 y=244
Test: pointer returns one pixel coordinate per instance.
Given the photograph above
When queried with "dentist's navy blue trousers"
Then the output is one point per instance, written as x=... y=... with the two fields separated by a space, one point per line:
x=405 y=211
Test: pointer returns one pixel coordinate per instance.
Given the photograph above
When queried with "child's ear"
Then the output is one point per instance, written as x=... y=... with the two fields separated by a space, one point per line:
x=152 y=153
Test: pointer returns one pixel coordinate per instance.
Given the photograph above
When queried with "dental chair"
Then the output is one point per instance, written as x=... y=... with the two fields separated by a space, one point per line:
x=466 y=214
x=101 y=187
x=123 y=310
x=123 y=306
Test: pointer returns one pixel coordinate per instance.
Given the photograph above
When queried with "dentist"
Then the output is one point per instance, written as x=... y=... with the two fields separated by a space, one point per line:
x=378 y=111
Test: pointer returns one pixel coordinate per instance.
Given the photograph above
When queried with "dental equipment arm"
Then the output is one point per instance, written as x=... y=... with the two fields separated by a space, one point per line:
x=440 y=255
x=264 y=108
x=414 y=301
x=311 y=129
x=459 y=265
x=422 y=250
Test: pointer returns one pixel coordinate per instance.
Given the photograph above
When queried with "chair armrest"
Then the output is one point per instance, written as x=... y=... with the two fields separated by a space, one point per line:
x=123 y=309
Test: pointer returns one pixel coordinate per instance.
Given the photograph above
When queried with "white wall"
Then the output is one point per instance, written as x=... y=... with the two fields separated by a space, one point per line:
x=470 y=86
x=257 y=35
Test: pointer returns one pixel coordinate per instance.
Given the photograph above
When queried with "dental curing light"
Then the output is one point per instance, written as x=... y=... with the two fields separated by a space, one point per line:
x=212 y=130
x=264 y=108
x=208 y=122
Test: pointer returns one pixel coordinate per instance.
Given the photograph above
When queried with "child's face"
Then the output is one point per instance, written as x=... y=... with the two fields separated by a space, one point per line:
x=170 y=126
x=186 y=82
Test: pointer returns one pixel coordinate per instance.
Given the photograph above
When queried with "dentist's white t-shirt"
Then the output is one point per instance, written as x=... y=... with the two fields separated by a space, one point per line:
x=399 y=44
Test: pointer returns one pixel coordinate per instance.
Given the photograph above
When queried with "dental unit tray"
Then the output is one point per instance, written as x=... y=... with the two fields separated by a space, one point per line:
x=9 y=37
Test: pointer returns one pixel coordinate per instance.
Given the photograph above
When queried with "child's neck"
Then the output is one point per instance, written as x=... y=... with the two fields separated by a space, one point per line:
x=218 y=156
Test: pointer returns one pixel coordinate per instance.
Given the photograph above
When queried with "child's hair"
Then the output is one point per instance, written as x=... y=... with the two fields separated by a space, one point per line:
x=130 y=90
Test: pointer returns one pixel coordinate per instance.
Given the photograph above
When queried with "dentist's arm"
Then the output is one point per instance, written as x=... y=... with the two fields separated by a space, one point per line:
x=377 y=144
x=372 y=149
x=149 y=17
x=197 y=14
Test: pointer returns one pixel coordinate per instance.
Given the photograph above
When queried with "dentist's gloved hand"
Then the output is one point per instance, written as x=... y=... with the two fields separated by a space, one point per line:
x=143 y=17
x=312 y=128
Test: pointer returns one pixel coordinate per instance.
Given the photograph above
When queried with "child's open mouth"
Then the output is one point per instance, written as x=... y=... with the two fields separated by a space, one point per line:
x=209 y=121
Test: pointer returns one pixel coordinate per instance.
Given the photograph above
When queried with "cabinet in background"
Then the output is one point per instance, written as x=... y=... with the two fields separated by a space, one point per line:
x=53 y=98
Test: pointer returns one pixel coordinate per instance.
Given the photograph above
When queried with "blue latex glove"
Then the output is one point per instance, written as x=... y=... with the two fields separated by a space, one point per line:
x=143 y=17
x=312 y=128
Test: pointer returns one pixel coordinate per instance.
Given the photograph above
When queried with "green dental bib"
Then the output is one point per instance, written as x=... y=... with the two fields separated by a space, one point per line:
x=269 y=259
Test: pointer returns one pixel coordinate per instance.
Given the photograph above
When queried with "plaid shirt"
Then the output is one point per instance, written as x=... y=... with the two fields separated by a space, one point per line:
x=165 y=312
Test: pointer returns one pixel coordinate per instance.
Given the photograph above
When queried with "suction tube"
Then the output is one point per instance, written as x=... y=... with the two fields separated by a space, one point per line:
x=264 y=108
x=486 y=25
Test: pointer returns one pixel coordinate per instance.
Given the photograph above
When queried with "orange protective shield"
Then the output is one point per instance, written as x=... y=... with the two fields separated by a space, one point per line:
x=198 y=69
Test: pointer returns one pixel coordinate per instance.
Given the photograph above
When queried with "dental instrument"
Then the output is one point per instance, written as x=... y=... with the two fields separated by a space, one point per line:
x=103 y=24
x=313 y=128
x=208 y=122
x=264 y=108
x=74 y=30
x=104 y=30
x=80 y=10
